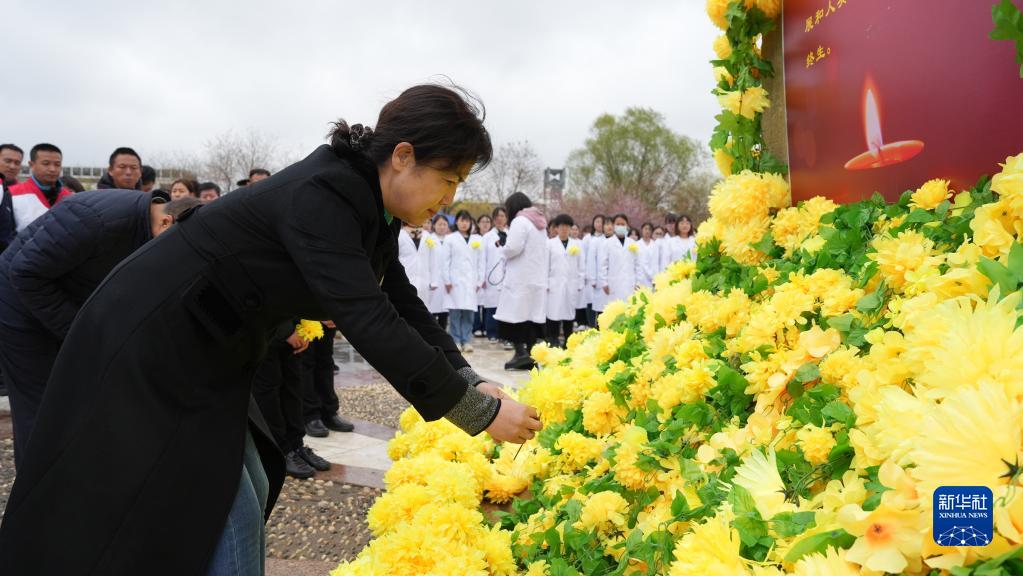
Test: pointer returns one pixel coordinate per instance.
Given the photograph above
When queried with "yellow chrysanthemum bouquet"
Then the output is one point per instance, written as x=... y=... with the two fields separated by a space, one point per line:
x=787 y=404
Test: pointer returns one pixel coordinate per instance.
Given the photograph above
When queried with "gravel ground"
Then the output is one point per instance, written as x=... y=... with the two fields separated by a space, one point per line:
x=319 y=520
x=377 y=403
x=6 y=468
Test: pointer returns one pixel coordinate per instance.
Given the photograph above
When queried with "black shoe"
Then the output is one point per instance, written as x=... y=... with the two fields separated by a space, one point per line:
x=316 y=429
x=296 y=466
x=312 y=459
x=338 y=424
x=521 y=360
x=336 y=369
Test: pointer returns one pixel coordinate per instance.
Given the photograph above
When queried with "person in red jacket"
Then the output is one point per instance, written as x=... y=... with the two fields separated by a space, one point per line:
x=31 y=198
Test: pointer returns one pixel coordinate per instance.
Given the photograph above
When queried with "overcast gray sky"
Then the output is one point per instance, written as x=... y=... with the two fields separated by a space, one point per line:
x=164 y=76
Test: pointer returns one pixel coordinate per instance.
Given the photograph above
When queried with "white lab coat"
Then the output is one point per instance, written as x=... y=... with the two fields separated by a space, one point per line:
x=491 y=270
x=593 y=256
x=565 y=278
x=430 y=290
x=589 y=270
x=619 y=268
x=649 y=261
x=524 y=290
x=408 y=255
x=676 y=248
x=460 y=269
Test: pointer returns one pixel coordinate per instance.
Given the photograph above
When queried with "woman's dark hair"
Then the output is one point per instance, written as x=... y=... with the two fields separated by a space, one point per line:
x=443 y=124
x=189 y=184
x=692 y=227
x=516 y=203
x=647 y=225
x=482 y=216
x=497 y=210
x=593 y=222
x=620 y=215
x=464 y=214
x=443 y=217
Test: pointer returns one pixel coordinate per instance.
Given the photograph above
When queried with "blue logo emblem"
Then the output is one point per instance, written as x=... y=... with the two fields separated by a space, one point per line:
x=963 y=516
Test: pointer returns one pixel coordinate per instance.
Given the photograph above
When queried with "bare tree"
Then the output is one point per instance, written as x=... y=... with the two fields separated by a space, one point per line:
x=516 y=167
x=229 y=156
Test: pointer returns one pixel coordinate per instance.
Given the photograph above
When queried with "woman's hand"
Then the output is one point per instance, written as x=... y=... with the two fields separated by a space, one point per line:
x=448 y=287
x=515 y=422
x=297 y=343
x=607 y=289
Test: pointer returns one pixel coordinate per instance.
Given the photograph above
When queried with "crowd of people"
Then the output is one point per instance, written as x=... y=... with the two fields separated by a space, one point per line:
x=514 y=276
x=50 y=270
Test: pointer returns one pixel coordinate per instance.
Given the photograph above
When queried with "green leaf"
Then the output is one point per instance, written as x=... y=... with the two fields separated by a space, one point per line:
x=787 y=524
x=870 y=303
x=999 y=274
x=841 y=323
x=819 y=543
x=1016 y=260
x=840 y=412
x=741 y=500
x=919 y=215
x=679 y=504
x=808 y=373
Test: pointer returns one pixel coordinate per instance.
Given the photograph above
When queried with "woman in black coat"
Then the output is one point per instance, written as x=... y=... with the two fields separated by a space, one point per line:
x=135 y=459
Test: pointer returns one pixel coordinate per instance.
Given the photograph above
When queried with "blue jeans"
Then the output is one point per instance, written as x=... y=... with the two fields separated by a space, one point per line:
x=460 y=326
x=490 y=323
x=241 y=550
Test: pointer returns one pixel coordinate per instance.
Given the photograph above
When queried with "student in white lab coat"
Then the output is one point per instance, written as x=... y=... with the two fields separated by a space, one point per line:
x=685 y=232
x=618 y=275
x=668 y=243
x=492 y=270
x=600 y=242
x=460 y=276
x=581 y=300
x=435 y=248
x=649 y=255
x=566 y=277
x=590 y=249
x=483 y=225
x=408 y=252
x=522 y=307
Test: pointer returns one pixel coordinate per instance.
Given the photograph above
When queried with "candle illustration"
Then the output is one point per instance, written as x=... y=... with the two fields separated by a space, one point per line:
x=879 y=154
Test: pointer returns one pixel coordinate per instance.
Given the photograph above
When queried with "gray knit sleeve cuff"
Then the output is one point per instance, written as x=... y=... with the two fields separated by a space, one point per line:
x=474 y=412
x=469 y=375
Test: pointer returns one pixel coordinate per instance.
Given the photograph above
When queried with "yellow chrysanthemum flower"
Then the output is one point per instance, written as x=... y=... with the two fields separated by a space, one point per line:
x=603 y=511
x=722 y=48
x=309 y=330
x=931 y=194
x=711 y=548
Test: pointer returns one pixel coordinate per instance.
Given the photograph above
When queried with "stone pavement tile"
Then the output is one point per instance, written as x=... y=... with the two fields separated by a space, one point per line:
x=277 y=567
x=354 y=475
x=352 y=449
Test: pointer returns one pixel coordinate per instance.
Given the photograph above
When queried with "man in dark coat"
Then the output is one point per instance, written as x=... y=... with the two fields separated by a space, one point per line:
x=49 y=271
x=135 y=459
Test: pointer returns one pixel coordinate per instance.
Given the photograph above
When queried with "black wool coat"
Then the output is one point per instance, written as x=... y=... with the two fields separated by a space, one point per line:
x=55 y=263
x=136 y=455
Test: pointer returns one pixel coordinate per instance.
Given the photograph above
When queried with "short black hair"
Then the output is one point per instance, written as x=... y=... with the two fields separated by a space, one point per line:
x=620 y=215
x=176 y=207
x=647 y=225
x=671 y=217
x=124 y=150
x=43 y=147
x=563 y=219
x=12 y=147
x=464 y=214
x=208 y=186
x=516 y=203
x=148 y=174
x=497 y=210
x=262 y=171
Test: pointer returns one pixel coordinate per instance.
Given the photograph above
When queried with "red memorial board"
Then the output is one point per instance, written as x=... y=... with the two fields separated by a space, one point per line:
x=882 y=95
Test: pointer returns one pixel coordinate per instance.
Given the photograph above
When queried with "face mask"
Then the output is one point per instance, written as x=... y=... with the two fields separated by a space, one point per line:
x=621 y=231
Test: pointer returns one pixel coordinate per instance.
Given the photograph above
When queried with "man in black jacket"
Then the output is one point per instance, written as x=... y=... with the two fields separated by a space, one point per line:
x=48 y=272
x=124 y=171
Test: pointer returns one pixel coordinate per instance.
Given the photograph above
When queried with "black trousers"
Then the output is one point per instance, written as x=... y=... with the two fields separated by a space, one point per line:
x=442 y=319
x=277 y=388
x=521 y=332
x=27 y=353
x=554 y=328
x=318 y=397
